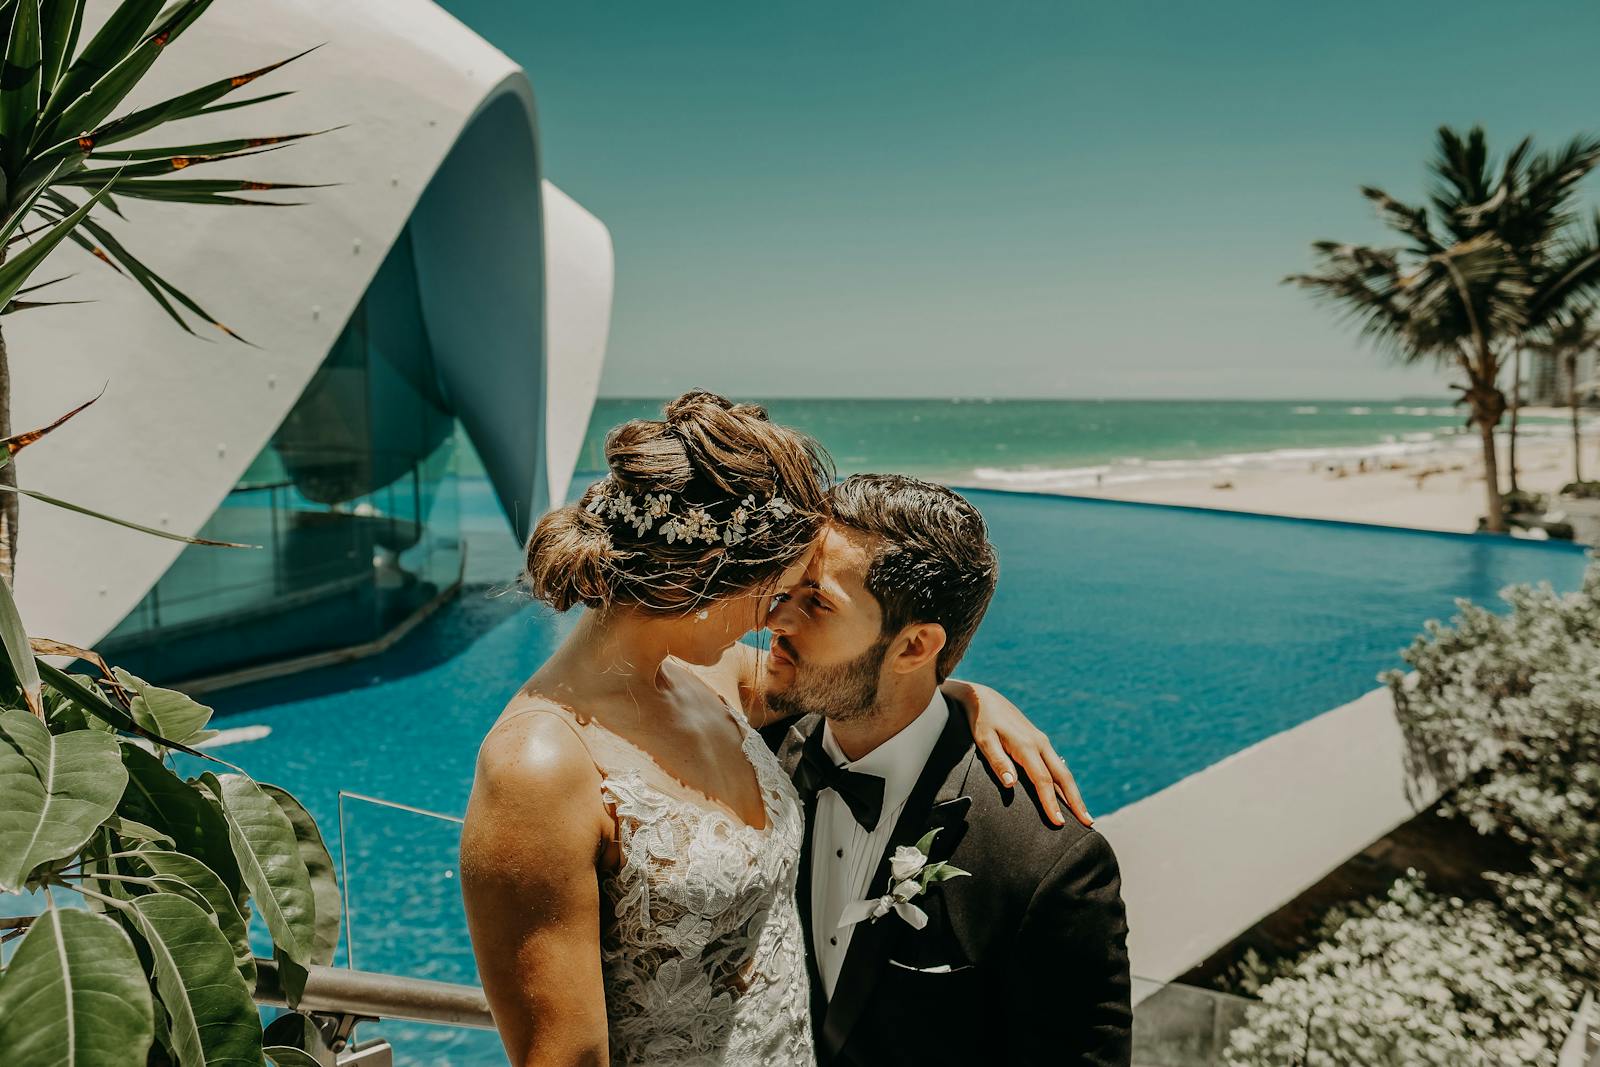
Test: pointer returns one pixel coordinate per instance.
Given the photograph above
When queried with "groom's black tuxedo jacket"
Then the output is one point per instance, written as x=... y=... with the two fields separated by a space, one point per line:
x=1025 y=961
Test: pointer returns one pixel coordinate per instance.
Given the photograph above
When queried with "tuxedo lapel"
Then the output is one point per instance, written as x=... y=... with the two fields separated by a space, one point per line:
x=789 y=758
x=934 y=800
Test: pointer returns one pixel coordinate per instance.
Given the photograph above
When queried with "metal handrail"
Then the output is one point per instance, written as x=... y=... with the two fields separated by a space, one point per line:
x=335 y=991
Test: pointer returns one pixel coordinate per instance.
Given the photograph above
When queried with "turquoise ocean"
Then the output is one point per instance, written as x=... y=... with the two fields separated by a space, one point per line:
x=1062 y=445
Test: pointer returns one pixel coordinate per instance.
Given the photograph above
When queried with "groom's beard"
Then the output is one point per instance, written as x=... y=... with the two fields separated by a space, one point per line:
x=842 y=693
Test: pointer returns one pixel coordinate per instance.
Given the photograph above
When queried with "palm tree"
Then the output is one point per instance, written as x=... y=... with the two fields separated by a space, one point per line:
x=1451 y=294
x=1530 y=208
x=1564 y=338
x=56 y=122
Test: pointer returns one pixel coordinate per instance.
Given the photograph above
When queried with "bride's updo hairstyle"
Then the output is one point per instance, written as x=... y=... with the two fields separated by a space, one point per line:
x=711 y=501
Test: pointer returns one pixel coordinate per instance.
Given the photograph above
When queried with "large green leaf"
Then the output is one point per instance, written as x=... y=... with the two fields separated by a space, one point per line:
x=19 y=82
x=75 y=996
x=319 y=866
x=106 y=711
x=211 y=1015
x=24 y=669
x=81 y=694
x=137 y=832
x=46 y=815
x=172 y=869
x=268 y=855
x=157 y=797
x=288 y=1056
x=166 y=712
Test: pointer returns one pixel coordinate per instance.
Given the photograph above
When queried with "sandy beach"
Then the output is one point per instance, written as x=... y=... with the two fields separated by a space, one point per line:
x=1440 y=489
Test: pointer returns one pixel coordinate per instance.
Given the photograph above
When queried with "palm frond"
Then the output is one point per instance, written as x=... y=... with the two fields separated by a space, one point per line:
x=1363 y=284
x=102 y=98
x=210 y=149
x=34 y=288
x=20 y=92
x=112 y=251
x=186 y=190
x=15 y=271
x=60 y=22
x=18 y=441
x=183 y=106
x=1411 y=221
x=116 y=38
x=1569 y=276
x=233 y=104
x=1460 y=170
x=29 y=305
x=23 y=209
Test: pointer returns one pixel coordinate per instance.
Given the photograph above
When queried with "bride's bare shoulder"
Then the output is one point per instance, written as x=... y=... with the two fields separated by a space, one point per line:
x=533 y=750
x=536 y=803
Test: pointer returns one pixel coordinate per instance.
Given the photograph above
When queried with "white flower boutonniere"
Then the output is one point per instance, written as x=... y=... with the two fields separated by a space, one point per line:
x=910 y=874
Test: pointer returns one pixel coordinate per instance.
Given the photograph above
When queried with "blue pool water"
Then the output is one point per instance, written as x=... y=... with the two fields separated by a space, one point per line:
x=1150 y=642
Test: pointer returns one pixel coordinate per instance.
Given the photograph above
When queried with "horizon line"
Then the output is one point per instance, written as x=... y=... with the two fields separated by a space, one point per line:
x=1089 y=399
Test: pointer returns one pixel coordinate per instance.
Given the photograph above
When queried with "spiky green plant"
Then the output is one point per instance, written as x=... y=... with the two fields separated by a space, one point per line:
x=64 y=149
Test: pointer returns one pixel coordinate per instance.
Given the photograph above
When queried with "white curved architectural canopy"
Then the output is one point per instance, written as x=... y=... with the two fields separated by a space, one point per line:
x=436 y=128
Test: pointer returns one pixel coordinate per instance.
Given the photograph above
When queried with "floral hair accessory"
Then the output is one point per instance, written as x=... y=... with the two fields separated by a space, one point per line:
x=656 y=512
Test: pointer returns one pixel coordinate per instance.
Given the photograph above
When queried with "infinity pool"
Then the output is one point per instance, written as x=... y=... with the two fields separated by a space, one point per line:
x=1150 y=642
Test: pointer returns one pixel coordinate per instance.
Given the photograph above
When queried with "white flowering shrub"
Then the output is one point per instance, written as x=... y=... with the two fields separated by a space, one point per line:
x=1415 y=978
x=1508 y=705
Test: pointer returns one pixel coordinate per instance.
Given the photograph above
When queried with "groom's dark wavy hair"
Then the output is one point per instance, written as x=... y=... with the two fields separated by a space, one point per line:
x=932 y=562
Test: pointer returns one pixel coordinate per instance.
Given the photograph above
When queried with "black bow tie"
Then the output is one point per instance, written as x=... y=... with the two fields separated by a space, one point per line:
x=861 y=793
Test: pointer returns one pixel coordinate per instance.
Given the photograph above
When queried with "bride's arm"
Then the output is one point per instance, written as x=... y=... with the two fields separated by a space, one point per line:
x=531 y=891
x=1000 y=730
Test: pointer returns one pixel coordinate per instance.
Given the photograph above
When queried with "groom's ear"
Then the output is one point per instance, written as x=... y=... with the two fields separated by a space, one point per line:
x=918 y=645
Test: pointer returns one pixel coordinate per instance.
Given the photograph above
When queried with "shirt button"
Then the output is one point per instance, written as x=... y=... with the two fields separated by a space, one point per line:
x=833 y=941
x=839 y=853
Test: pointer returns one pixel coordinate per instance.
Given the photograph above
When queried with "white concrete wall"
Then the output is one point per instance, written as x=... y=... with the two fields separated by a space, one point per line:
x=1207 y=857
x=183 y=416
x=579 y=277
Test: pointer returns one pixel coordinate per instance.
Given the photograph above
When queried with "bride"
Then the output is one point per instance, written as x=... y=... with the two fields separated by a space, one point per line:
x=630 y=849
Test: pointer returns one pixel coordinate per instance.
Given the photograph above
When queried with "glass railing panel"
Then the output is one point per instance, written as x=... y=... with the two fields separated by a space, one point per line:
x=330 y=570
x=1177 y=1025
x=400 y=874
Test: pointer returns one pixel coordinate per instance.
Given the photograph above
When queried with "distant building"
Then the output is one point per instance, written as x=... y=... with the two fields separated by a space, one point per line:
x=438 y=290
x=1547 y=383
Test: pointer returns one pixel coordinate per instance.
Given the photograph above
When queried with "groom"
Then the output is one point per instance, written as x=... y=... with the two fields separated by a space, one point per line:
x=1003 y=942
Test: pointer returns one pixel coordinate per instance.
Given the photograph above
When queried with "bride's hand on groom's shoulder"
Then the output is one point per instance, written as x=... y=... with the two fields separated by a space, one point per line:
x=1006 y=737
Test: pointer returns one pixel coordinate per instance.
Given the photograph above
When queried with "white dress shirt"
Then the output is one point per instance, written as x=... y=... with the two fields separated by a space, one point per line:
x=844 y=857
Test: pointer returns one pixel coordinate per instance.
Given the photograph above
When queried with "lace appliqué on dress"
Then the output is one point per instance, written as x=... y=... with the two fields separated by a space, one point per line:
x=703 y=954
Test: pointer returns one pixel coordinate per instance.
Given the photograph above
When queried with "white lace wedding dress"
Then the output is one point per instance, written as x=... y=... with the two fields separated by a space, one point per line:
x=701 y=946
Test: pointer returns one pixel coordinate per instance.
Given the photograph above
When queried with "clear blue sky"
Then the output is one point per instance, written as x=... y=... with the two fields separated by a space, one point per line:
x=1012 y=199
